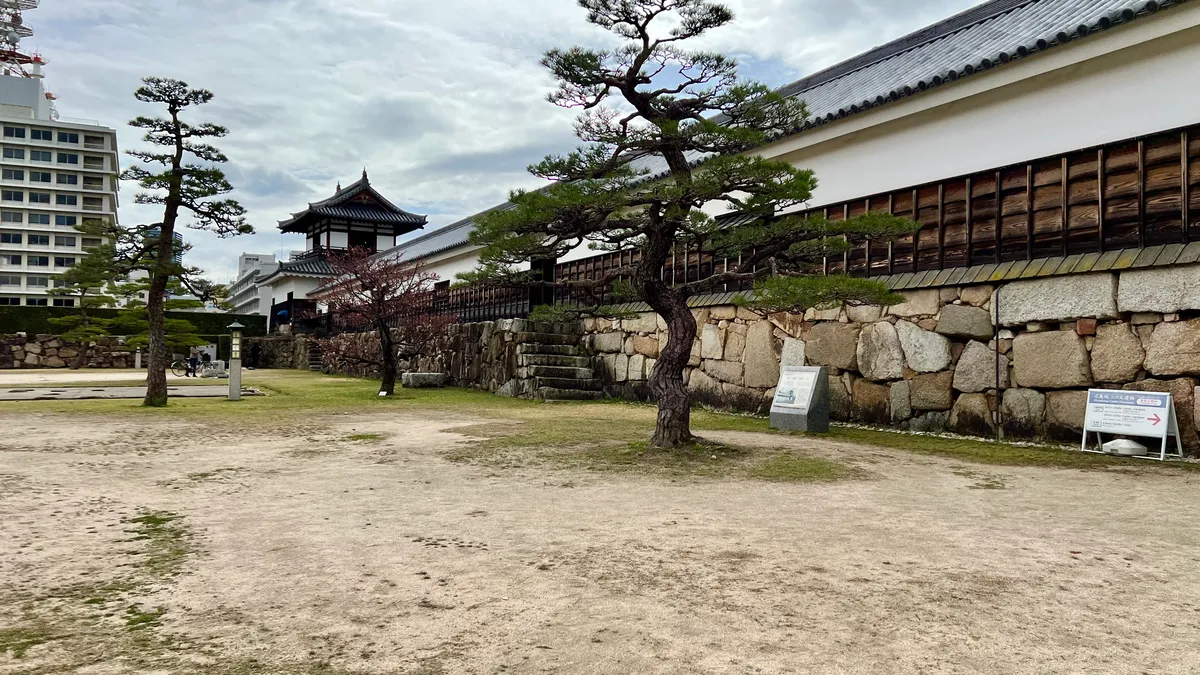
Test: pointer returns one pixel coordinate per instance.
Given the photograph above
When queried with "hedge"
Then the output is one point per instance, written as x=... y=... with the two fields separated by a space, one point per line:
x=34 y=320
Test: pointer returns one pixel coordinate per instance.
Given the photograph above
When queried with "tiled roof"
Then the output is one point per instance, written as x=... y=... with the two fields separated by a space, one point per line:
x=340 y=205
x=306 y=266
x=984 y=37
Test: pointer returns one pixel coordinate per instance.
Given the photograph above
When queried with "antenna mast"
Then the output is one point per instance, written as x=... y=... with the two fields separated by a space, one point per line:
x=13 y=60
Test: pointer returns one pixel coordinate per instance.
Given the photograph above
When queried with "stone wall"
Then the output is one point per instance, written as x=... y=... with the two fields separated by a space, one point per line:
x=49 y=351
x=937 y=361
x=280 y=351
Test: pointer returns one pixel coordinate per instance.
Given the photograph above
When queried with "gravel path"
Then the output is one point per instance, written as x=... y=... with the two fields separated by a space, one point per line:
x=309 y=552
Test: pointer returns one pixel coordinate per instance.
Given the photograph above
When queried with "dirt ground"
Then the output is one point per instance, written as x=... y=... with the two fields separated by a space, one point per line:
x=161 y=545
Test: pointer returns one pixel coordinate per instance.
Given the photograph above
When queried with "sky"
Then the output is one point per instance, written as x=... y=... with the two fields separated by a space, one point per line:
x=441 y=102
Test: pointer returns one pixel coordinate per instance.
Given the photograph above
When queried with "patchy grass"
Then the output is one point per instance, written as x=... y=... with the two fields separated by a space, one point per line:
x=17 y=641
x=138 y=619
x=364 y=437
x=215 y=474
x=983 y=480
x=167 y=542
x=792 y=468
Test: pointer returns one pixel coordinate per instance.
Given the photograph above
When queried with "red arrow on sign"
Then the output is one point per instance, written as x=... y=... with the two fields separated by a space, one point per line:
x=1156 y=419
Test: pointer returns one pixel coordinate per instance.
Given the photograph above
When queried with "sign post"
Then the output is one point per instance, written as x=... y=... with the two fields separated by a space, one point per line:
x=1147 y=414
x=801 y=400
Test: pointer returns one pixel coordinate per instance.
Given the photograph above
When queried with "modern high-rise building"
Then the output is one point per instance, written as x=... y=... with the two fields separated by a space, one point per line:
x=244 y=292
x=55 y=173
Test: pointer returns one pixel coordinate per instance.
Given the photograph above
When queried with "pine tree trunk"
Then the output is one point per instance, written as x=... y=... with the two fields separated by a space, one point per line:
x=666 y=380
x=158 y=354
x=388 y=386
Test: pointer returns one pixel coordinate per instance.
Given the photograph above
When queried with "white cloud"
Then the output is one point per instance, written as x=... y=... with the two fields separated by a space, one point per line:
x=441 y=101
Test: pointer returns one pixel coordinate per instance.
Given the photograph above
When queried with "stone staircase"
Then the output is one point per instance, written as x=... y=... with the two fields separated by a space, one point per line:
x=553 y=370
x=314 y=357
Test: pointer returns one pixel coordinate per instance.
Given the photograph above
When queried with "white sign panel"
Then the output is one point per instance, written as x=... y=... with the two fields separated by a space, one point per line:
x=1147 y=414
x=795 y=390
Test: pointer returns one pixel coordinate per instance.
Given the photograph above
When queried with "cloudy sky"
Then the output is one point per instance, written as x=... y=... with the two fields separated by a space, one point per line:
x=441 y=101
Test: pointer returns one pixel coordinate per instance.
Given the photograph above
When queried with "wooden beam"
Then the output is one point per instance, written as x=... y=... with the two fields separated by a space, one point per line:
x=846 y=238
x=867 y=244
x=941 y=225
x=825 y=258
x=1029 y=211
x=1100 y=181
x=1065 y=219
x=891 y=254
x=916 y=247
x=1141 y=205
x=969 y=225
x=999 y=216
x=1185 y=210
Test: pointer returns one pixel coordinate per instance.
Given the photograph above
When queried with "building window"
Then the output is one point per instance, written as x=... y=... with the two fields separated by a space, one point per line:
x=14 y=153
x=10 y=238
x=39 y=218
x=91 y=242
x=13 y=174
x=12 y=217
x=93 y=141
x=93 y=183
x=39 y=240
x=38 y=261
x=64 y=302
x=68 y=221
x=64 y=240
x=10 y=259
x=39 y=176
x=93 y=203
x=40 y=155
x=68 y=179
x=65 y=137
x=39 y=197
x=42 y=135
x=12 y=195
x=93 y=163
x=60 y=283
x=14 y=132
x=63 y=261
x=66 y=200
x=35 y=302
x=37 y=282
x=68 y=158
x=10 y=301
x=10 y=280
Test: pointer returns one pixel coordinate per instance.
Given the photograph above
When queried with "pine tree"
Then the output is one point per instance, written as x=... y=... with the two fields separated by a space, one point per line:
x=650 y=103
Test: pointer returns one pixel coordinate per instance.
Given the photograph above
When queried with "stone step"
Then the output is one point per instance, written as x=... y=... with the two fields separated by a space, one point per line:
x=547 y=338
x=567 y=383
x=562 y=372
x=551 y=395
x=557 y=350
x=553 y=360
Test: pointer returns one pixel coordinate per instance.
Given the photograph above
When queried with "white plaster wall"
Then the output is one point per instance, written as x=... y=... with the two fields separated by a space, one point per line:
x=339 y=239
x=1064 y=100
x=278 y=290
x=384 y=242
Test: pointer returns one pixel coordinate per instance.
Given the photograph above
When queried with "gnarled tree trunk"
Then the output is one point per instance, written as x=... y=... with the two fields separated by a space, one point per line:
x=158 y=356
x=387 y=347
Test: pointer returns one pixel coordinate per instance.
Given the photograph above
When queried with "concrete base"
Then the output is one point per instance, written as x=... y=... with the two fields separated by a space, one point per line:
x=423 y=380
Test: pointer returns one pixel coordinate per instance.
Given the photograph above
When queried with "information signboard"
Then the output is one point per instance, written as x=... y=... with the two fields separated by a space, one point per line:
x=1146 y=414
x=801 y=400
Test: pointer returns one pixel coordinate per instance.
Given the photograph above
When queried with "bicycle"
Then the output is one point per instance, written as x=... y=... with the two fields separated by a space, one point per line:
x=179 y=368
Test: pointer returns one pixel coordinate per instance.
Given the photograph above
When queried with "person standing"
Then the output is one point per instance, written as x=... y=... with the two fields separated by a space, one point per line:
x=255 y=355
x=193 y=362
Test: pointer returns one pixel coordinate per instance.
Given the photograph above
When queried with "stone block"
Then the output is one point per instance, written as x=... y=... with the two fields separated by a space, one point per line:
x=725 y=371
x=704 y=389
x=53 y=362
x=620 y=368
x=930 y=422
x=722 y=313
x=637 y=367
x=628 y=348
x=972 y=415
x=1183 y=394
x=976 y=370
x=645 y=345
x=932 y=392
x=965 y=321
x=1065 y=411
x=695 y=357
x=1053 y=360
x=976 y=296
x=748 y=315
x=833 y=344
x=423 y=380
x=646 y=322
x=948 y=295
x=793 y=352
x=792 y=324
x=829 y=314
x=735 y=343
x=925 y=352
x=900 y=402
x=712 y=342
x=762 y=362
x=1022 y=411
x=1145 y=318
x=32 y=359
x=1175 y=349
x=880 y=356
x=33 y=348
x=864 y=313
x=1160 y=289
x=871 y=402
x=839 y=399
x=1117 y=353
x=608 y=343
x=917 y=303
x=1085 y=327
x=1058 y=299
